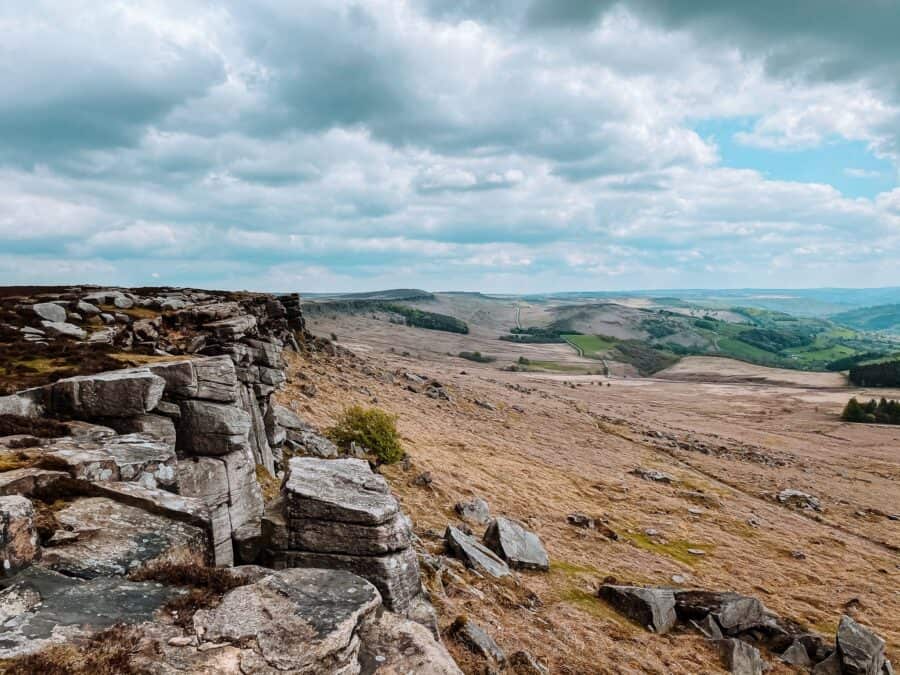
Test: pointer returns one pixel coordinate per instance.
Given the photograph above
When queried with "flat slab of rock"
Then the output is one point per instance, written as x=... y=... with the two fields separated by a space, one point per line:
x=653 y=608
x=474 y=554
x=112 y=394
x=520 y=548
x=301 y=620
x=18 y=538
x=861 y=652
x=113 y=539
x=329 y=536
x=395 y=575
x=133 y=457
x=63 y=607
x=344 y=490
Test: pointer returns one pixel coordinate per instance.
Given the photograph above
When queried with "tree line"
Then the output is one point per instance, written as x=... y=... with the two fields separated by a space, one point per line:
x=873 y=412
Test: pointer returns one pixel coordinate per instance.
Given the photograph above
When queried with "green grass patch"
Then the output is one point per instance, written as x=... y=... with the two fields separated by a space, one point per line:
x=557 y=367
x=677 y=550
x=591 y=346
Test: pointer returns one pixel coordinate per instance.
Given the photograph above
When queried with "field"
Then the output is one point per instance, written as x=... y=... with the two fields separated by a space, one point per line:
x=731 y=434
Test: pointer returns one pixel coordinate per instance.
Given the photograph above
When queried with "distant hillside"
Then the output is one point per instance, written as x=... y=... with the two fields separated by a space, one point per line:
x=878 y=318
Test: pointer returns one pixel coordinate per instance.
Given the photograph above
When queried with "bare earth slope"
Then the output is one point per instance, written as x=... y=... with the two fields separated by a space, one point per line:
x=550 y=448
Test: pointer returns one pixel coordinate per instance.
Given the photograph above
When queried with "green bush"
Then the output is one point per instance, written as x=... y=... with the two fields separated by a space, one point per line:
x=371 y=428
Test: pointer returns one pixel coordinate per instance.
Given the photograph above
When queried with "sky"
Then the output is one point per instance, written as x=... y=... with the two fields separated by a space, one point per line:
x=507 y=146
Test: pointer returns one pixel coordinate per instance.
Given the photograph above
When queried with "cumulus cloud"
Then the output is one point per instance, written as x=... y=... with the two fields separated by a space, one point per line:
x=490 y=145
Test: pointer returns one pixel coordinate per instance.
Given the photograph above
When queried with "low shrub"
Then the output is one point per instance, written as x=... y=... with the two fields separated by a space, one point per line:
x=371 y=428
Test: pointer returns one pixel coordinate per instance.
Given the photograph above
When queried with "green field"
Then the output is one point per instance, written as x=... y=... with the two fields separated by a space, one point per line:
x=591 y=346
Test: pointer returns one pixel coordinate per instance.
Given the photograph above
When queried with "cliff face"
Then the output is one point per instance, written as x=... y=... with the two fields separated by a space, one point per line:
x=124 y=472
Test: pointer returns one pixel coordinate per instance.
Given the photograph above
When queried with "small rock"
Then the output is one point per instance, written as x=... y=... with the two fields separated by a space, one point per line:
x=18 y=537
x=476 y=640
x=523 y=663
x=581 y=520
x=181 y=641
x=799 y=500
x=473 y=554
x=424 y=479
x=741 y=658
x=474 y=511
x=796 y=655
x=653 y=475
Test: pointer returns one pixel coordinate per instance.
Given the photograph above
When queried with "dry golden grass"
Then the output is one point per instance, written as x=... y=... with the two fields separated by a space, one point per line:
x=572 y=450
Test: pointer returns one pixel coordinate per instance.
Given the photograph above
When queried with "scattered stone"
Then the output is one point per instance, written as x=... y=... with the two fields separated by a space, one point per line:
x=474 y=511
x=653 y=608
x=393 y=645
x=740 y=657
x=799 y=500
x=424 y=479
x=473 y=554
x=477 y=640
x=581 y=520
x=829 y=666
x=796 y=655
x=520 y=548
x=523 y=663
x=652 y=475
x=18 y=538
x=735 y=613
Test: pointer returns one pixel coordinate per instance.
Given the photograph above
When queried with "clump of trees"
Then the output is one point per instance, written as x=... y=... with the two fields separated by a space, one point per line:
x=873 y=412
x=478 y=357
x=884 y=373
x=431 y=320
x=370 y=428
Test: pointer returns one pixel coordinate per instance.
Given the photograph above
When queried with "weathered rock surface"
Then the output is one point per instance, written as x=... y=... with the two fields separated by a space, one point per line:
x=475 y=511
x=523 y=663
x=301 y=620
x=18 y=538
x=65 y=329
x=520 y=548
x=112 y=394
x=344 y=490
x=111 y=539
x=733 y=612
x=395 y=575
x=393 y=645
x=740 y=657
x=653 y=608
x=861 y=652
x=209 y=428
x=474 y=554
x=478 y=641
x=50 y=311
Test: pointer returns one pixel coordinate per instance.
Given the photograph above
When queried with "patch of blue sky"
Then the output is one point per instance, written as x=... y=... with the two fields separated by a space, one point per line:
x=849 y=166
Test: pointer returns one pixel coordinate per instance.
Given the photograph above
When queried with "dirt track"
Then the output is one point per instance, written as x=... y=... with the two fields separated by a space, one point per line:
x=572 y=449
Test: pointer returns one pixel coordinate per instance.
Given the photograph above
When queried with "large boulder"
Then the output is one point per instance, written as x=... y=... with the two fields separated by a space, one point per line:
x=734 y=613
x=298 y=620
x=211 y=379
x=111 y=394
x=473 y=554
x=653 y=608
x=18 y=537
x=520 y=548
x=50 y=311
x=64 y=329
x=209 y=428
x=477 y=640
x=861 y=651
x=344 y=490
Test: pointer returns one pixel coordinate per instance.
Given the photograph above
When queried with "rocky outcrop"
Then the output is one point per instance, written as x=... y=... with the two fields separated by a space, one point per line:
x=339 y=514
